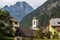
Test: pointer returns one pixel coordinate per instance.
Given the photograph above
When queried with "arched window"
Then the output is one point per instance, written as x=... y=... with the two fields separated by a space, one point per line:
x=34 y=22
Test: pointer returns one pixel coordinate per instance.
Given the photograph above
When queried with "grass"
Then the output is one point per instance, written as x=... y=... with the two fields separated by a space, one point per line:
x=8 y=38
x=12 y=38
x=46 y=39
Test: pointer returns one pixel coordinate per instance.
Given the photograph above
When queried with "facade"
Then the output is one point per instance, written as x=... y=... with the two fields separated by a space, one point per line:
x=55 y=22
x=15 y=24
x=50 y=28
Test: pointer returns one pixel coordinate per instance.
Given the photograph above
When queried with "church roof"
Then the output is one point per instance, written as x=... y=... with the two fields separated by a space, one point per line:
x=24 y=32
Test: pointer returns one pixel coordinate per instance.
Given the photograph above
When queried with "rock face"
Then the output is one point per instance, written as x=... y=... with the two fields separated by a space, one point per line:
x=50 y=9
x=19 y=10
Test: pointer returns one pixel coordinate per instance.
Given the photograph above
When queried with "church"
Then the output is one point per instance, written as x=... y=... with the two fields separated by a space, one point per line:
x=27 y=33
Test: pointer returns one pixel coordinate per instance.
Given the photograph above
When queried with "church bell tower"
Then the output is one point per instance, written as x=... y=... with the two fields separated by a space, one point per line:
x=34 y=23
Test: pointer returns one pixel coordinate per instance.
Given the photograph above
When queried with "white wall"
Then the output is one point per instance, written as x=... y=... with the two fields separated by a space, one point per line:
x=36 y=23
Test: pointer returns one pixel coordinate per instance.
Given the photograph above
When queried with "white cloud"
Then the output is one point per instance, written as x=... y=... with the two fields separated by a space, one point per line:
x=33 y=3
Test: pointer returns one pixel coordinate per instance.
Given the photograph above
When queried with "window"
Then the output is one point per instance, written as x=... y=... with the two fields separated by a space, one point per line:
x=18 y=38
x=16 y=27
x=16 y=22
x=34 y=22
x=58 y=22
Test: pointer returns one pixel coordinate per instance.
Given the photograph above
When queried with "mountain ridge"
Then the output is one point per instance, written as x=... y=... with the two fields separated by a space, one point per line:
x=44 y=13
x=19 y=10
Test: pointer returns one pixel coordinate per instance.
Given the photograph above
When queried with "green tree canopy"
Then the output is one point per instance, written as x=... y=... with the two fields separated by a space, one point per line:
x=4 y=19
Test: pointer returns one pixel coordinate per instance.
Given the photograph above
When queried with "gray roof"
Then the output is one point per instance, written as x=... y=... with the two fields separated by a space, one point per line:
x=24 y=32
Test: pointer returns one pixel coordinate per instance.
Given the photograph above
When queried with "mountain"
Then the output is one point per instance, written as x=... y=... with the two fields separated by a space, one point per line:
x=50 y=9
x=19 y=10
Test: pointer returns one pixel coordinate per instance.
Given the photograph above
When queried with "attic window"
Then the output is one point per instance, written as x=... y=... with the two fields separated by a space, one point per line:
x=58 y=22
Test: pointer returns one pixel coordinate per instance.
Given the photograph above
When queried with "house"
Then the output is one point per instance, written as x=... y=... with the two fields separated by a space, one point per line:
x=15 y=23
x=54 y=25
x=55 y=22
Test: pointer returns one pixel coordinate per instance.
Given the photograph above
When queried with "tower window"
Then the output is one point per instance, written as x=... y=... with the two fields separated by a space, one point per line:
x=34 y=22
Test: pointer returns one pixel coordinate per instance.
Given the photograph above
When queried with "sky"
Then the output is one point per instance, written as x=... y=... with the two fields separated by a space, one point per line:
x=34 y=3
